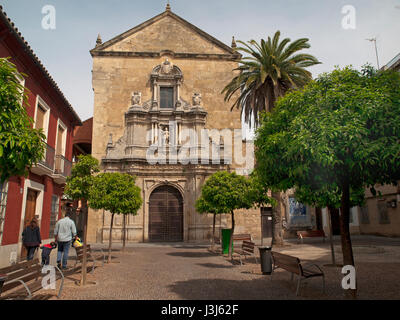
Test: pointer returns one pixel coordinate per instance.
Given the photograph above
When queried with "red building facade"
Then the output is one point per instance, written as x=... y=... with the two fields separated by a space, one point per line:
x=39 y=194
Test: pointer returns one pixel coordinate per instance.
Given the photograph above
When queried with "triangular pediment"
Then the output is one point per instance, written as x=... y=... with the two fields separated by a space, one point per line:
x=165 y=32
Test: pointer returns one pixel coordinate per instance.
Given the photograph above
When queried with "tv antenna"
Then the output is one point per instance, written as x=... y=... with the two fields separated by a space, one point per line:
x=376 y=49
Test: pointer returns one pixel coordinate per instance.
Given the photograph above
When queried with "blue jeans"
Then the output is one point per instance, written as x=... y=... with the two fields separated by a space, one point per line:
x=31 y=252
x=62 y=253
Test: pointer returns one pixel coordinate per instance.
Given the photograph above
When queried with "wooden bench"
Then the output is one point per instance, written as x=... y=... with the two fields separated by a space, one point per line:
x=247 y=250
x=242 y=237
x=310 y=234
x=294 y=266
x=25 y=278
x=90 y=256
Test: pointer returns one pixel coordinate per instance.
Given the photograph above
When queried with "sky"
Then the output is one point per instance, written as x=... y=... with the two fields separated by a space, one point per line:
x=64 y=51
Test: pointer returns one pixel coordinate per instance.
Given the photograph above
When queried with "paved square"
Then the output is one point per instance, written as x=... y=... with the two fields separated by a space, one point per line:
x=187 y=271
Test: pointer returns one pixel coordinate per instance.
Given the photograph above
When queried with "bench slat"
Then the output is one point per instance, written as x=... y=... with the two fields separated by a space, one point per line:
x=23 y=272
x=8 y=286
x=286 y=262
x=18 y=266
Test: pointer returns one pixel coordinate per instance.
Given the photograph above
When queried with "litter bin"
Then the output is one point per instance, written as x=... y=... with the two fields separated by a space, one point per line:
x=3 y=278
x=226 y=237
x=266 y=260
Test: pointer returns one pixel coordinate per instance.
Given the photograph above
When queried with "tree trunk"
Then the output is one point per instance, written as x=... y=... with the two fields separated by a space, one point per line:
x=213 y=235
x=331 y=237
x=124 y=234
x=347 y=249
x=85 y=212
x=232 y=231
x=110 y=239
x=277 y=216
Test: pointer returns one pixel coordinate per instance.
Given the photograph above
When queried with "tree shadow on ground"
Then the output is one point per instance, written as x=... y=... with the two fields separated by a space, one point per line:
x=214 y=265
x=191 y=254
x=261 y=288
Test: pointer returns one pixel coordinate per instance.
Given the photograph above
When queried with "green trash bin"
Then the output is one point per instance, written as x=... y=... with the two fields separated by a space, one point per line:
x=226 y=237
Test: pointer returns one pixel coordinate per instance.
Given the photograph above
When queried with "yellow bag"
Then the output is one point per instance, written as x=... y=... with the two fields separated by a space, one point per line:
x=77 y=243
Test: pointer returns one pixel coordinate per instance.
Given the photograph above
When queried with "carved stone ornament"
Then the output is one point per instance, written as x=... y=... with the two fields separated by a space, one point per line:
x=197 y=99
x=136 y=98
x=166 y=67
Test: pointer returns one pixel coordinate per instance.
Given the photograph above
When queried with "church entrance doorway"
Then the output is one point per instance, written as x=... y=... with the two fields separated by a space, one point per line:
x=166 y=215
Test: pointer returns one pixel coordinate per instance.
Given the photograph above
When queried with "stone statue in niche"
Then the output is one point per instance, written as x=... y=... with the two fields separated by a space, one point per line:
x=136 y=98
x=164 y=135
x=166 y=67
x=197 y=99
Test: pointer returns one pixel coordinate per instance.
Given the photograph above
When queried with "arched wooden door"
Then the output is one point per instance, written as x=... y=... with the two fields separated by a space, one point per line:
x=165 y=215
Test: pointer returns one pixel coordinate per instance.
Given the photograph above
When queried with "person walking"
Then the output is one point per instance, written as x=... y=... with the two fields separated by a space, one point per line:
x=64 y=232
x=31 y=238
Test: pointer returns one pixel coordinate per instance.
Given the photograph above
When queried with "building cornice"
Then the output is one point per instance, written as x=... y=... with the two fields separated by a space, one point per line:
x=197 y=56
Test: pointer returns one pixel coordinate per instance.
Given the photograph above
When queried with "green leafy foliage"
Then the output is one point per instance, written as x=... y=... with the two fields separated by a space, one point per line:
x=81 y=180
x=269 y=69
x=344 y=126
x=258 y=192
x=21 y=146
x=224 y=192
x=331 y=139
x=328 y=196
x=116 y=193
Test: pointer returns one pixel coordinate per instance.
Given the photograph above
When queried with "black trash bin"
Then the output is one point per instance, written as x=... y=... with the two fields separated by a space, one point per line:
x=266 y=260
x=3 y=279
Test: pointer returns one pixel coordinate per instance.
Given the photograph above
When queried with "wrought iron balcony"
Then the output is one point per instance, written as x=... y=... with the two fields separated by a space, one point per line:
x=62 y=166
x=46 y=165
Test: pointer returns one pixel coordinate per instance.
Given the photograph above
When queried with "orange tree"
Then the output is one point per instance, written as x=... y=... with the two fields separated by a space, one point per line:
x=116 y=193
x=223 y=193
x=339 y=133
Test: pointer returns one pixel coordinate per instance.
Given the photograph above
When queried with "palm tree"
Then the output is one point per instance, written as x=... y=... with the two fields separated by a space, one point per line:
x=272 y=69
x=269 y=70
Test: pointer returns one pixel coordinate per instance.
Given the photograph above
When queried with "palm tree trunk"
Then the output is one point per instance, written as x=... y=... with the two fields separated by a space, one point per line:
x=110 y=239
x=277 y=219
x=232 y=231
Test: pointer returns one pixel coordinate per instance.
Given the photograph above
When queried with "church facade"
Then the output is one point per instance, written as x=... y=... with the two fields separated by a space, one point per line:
x=159 y=115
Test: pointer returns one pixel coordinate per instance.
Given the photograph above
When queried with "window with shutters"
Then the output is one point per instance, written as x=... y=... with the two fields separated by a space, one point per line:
x=42 y=115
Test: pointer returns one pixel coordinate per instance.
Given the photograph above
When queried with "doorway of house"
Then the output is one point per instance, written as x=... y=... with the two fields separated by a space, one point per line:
x=30 y=210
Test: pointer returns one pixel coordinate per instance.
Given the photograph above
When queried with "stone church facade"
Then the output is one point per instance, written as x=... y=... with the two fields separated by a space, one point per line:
x=156 y=87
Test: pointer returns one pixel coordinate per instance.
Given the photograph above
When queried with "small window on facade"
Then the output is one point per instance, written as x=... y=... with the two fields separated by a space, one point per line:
x=383 y=213
x=41 y=112
x=166 y=97
x=3 y=205
x=364 y=215
x=54 y=214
